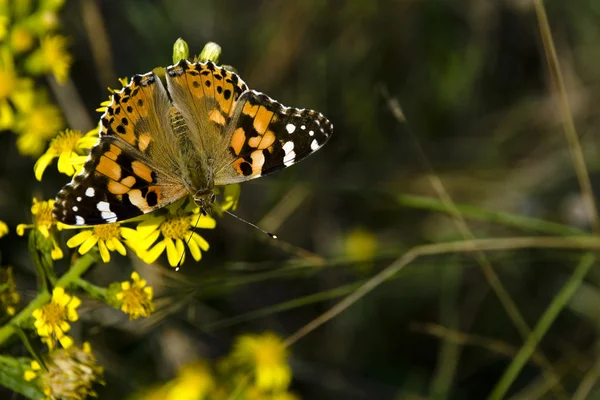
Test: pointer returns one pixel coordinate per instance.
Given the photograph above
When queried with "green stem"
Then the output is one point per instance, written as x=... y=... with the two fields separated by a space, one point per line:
x=92 y=290
x=558 y=303
x=497 y=217
x=78 y=269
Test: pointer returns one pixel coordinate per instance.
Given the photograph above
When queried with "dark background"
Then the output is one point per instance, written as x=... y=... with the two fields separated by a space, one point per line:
x=472 y=81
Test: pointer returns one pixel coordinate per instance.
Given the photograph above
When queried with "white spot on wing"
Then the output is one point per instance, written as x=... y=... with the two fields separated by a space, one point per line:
x=290 y=128
x=79 y=220
x=78 y=198
x=311 y=133
x=289 y=158
x=90 y=192
x=108 y=216
x=303 y=127
x=103 y=206
x=314 y=145
x=75 y=208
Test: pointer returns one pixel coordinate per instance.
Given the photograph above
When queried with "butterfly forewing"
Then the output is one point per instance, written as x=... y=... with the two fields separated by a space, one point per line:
x=264 y=136
x=133 y=169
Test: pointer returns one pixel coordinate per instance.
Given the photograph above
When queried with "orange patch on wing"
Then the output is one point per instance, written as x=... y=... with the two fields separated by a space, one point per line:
x=129 y=181
x=267 y=140
x=262 y=120
x=128 y=136
x=117 y=188
x=238 y=139
x=142 y=170
x=216 y=116
x=143 y=141
x=236 y=164
x=109 y=168
x=249 y=109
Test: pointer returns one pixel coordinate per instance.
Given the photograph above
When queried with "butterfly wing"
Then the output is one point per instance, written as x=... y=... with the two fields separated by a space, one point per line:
x=206 y=96
x=263 y=136
x=134 y=167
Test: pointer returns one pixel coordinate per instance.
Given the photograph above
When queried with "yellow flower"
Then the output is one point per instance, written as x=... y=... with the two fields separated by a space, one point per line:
x=176 y=229
x=42 y=218
x=4 y=22
x=69 y=146
x=3 y=229
x=67 y=374
x=9 y=298
x=54 y=57
x=361 y=245
x=136 y=297
x=36 y=127
x=107 y=236
x=193 y=382
x=265 y=355
x=21 y=39
x=51 y=320
x=8 y=75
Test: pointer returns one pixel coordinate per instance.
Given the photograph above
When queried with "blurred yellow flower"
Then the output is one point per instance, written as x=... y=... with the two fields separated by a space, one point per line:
x=193 y=382
x=69 y=146
x=107 y=236
x=136 y=297
x=361 y=245
x=36 y=127
x=3 y=229
x=8 y=75
x=176 y=229
x=42 y=218
x=4 y=21
x=68 y=373
x=266 y=356
x=21 y=39
x=51 y=320
x=52 y=57
x=9 y=298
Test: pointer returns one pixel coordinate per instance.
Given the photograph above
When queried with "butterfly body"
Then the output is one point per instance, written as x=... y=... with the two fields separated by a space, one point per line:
x=200 y=128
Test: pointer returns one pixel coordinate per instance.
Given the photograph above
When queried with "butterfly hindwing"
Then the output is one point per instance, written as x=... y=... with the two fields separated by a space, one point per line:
x=264 y=136
x=115 y=185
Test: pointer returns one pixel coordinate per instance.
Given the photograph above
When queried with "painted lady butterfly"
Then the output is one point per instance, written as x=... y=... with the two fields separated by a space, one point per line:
x=201 y=127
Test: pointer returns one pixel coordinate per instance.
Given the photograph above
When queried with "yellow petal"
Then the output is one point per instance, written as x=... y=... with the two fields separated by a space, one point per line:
x=41 y=164
x=201 y=242
x=151 y=255
x=64 y=163
x=205 y=222
x=119 y=246
x=195 y=250
x=172 y=254
x=88 y=244
x=103 y=251
x=79 y=238
x=29 y=375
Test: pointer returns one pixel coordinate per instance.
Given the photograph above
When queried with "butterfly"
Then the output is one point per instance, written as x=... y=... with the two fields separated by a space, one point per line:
x=163 y=139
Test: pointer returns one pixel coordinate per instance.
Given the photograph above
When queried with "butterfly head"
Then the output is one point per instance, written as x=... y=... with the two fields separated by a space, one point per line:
x=204 y=199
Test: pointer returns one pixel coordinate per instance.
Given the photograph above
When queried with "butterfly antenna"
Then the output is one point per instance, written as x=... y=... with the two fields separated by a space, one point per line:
x=251 y=224
x=188 y=242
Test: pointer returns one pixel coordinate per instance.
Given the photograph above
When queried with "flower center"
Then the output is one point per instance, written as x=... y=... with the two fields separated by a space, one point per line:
x=54 y=314
x=175 y=227
x=43 y=214
x=65 y=141
x=107 y=232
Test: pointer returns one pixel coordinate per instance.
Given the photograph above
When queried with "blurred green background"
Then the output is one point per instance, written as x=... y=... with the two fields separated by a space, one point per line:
x=472 y=81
